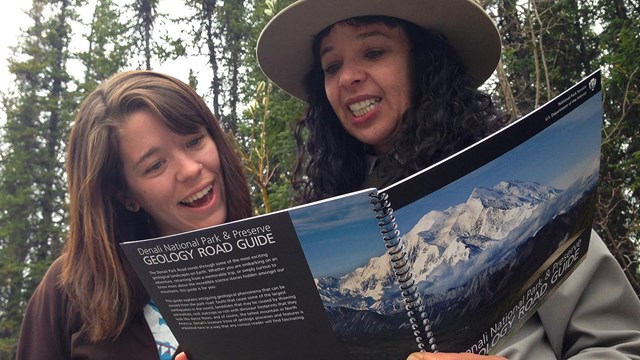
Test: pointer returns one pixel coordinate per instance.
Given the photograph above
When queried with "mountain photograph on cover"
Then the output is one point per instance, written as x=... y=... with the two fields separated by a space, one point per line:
x=474 y=243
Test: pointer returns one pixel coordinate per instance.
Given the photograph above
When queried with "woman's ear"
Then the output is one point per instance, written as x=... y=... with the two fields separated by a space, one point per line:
x=128 y=203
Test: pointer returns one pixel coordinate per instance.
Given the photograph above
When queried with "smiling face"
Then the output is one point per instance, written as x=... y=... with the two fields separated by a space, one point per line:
x=177 y=179
x=367 y=80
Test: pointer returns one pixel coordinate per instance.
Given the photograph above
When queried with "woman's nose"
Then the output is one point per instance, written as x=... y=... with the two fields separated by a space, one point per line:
x=188 y=169
x=351 y=74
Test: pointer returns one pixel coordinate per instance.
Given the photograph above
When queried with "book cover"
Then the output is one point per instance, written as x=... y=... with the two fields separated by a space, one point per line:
x=474 y=245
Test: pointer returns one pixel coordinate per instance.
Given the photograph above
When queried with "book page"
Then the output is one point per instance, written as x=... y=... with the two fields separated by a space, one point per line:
x=495 y=228
x=237 y=290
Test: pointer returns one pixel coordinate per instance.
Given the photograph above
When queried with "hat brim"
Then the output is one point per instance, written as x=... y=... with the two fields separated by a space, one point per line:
x=284 y=46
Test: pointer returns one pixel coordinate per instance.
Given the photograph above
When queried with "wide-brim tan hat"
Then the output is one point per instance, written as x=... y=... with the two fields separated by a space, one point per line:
x=284 y=47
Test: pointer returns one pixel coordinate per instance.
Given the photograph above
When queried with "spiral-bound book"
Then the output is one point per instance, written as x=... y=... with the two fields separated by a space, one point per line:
x=453 y=258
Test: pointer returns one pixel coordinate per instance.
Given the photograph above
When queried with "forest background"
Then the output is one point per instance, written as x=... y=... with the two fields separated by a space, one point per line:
x=70 y=46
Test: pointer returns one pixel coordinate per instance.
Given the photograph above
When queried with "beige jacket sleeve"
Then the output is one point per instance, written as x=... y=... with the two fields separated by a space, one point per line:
x=595 y=314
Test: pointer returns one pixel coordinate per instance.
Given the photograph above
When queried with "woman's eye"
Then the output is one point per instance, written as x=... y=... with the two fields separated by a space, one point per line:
x=195 y=141
x=331 y=69
x=374 y=54
x=155 y=166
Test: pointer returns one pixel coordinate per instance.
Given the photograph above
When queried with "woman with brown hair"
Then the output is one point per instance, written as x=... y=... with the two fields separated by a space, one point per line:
x=146 y=158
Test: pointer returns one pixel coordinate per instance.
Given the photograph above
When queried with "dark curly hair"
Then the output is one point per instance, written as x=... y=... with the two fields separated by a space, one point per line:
x=447 y=114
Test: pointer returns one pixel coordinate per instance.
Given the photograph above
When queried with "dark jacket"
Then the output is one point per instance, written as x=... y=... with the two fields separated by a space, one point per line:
x=51 y=329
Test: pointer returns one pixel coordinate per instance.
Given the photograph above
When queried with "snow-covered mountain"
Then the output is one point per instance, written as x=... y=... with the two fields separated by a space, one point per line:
x=455 y=250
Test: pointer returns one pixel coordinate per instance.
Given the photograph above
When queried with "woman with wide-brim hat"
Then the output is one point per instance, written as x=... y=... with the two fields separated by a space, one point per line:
x=392 y=87
x=426 y=108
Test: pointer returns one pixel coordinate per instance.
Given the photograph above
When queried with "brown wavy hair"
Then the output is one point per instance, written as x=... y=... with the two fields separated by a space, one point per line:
x=96 y=275
x=446 y=114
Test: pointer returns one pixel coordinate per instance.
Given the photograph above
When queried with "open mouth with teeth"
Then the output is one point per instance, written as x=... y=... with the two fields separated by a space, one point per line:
x=362 y=107
x=199 y=199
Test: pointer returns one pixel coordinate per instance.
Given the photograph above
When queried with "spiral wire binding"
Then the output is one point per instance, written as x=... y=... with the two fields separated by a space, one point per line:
x=414 y=305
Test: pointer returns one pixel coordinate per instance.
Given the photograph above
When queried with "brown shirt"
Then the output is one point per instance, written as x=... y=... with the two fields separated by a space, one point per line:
x=386 y=170
x=50 y=330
